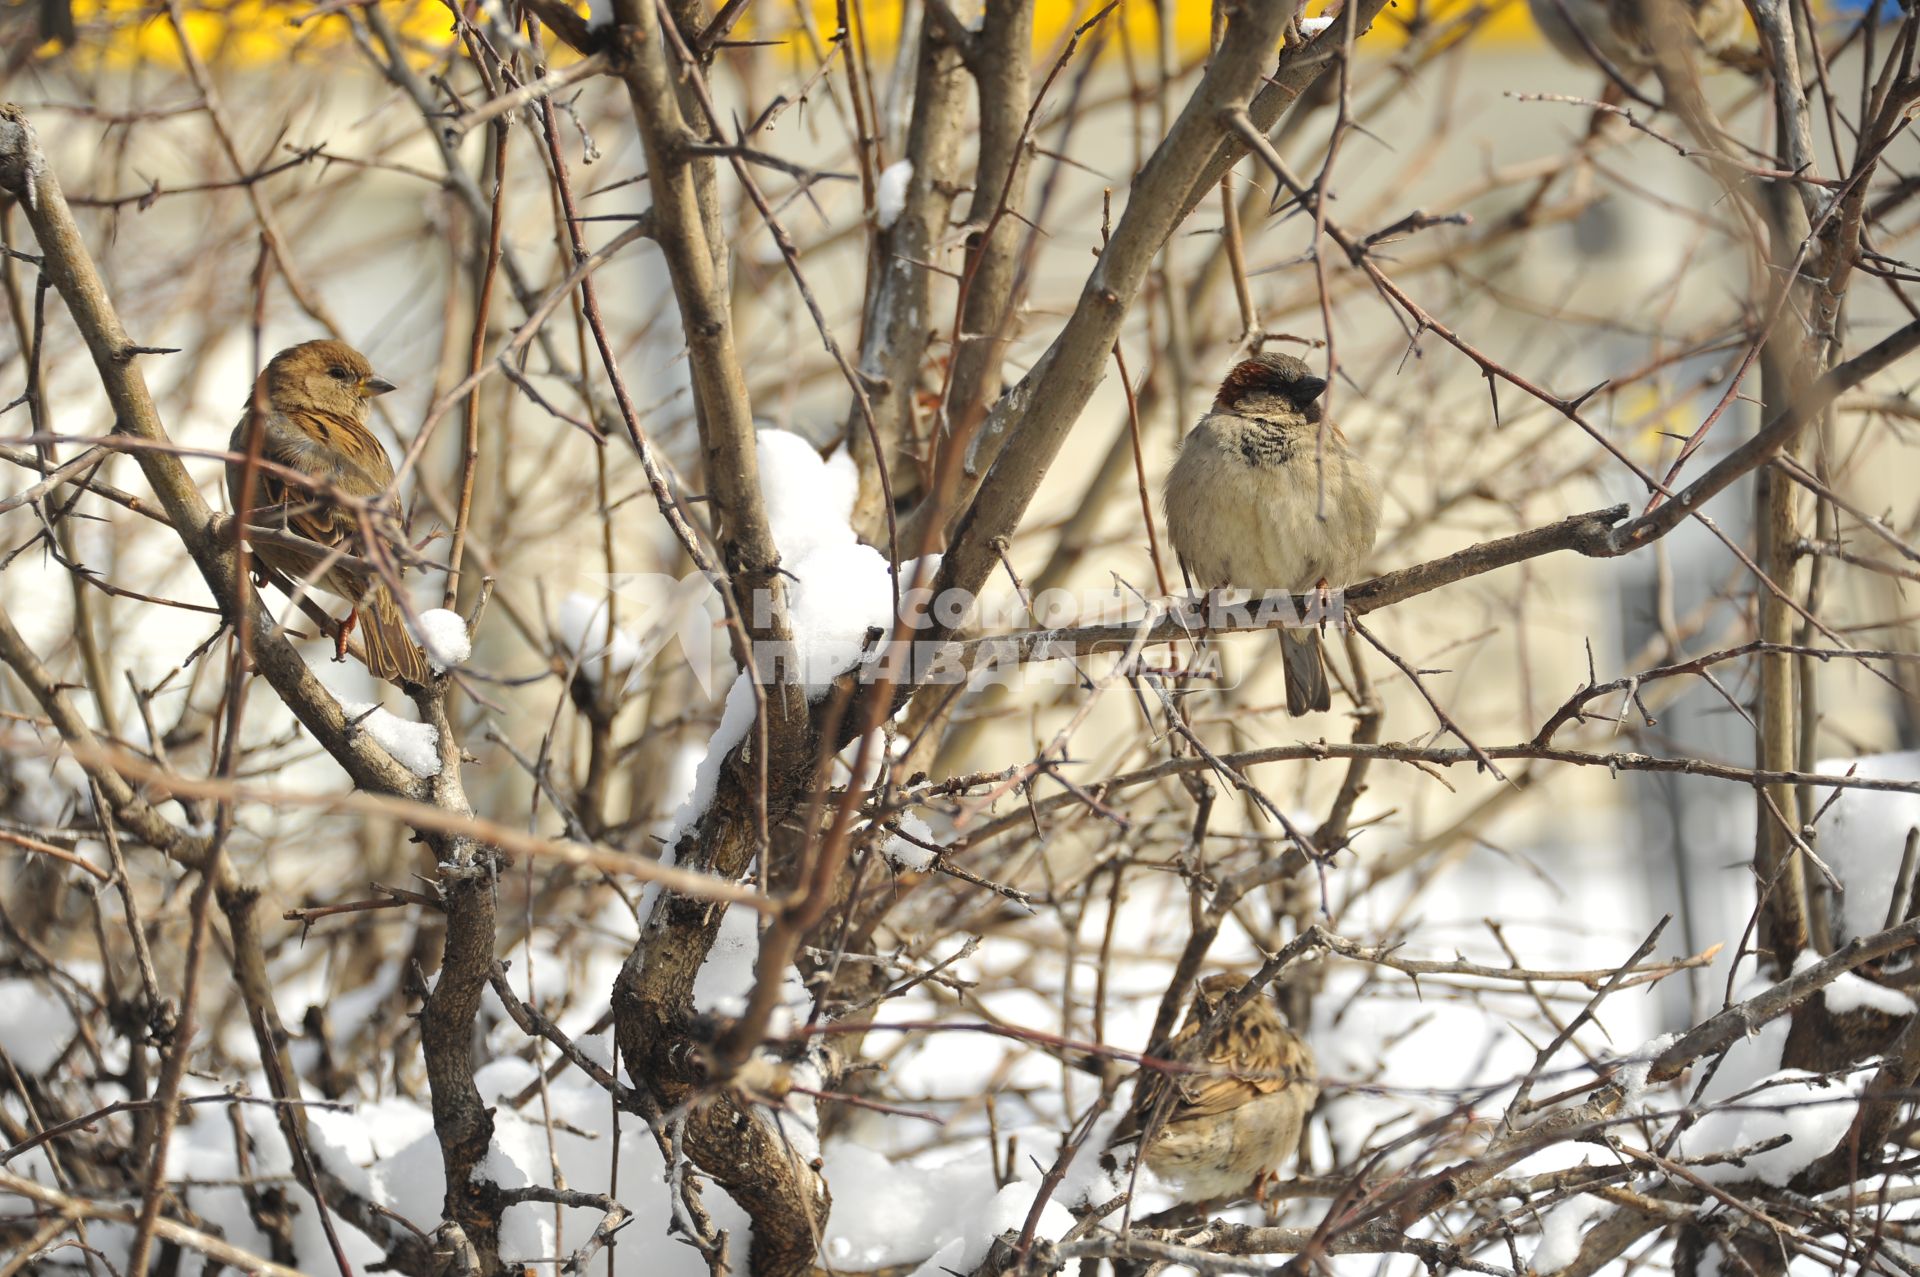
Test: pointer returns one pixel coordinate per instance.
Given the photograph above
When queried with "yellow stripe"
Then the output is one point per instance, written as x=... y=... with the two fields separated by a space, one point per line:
x=252 y=32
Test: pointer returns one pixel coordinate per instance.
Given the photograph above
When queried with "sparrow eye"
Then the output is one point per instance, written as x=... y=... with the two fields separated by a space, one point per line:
x=337 y=372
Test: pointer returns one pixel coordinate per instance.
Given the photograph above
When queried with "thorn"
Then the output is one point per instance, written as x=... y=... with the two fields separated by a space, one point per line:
x=1573 y=405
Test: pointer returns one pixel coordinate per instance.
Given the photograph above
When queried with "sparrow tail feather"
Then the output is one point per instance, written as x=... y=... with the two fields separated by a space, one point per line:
x=390 y=650
x=1306 y=672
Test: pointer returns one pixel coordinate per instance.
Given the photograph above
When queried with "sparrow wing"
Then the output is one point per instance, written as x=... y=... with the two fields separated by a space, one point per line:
x=1270 y=1067
x=1255 y=1056
x=334 y=451
x=1149 y=1090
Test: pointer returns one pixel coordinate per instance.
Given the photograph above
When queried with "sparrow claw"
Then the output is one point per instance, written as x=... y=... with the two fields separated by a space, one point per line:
x=341 y=632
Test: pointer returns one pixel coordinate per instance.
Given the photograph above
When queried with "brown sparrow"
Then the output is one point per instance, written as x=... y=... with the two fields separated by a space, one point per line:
x=316 y=398
x=1244 y=503
x=1235 y=1121
x=1618 y=29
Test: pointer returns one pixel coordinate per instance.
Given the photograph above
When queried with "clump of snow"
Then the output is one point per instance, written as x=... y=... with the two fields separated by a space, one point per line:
x=1851 y=992
x=725 y=978
x=202 y=1150
x=1009 y=1209
x=1311 y=27
x=908 y=855
x=736 y=720
x=1811 y=1110
x=35 y=1026
x=1753 y=1058
x=411 y=1180
x=444 y=636
x=795 y=1121
x=809 y=498
x=415 y=746
x=838 y=590
x=890 y=194
x=838 y=593
x=1561 y=1233
x=1854 y=993
x=679 y=772
x=581 y=628
x=887 y=1213
x=48 y=788
x=1631 y=1075
x=1863 y=834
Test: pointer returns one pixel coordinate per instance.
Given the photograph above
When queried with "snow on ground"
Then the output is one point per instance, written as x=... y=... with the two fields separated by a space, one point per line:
x=909 y=1193
x=947 y=1213
x=1390 y=1059
x=387 y=1150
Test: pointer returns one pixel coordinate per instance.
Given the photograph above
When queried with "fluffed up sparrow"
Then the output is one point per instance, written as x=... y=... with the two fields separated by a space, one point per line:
x=1244 y=505
x=316 y=398
x=1618 y=28
x=1235 y=1121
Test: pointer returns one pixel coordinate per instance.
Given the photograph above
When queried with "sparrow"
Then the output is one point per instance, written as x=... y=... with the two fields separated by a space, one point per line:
x=1617 y=29
x=1232 y=1123
x=316 y=398
x=1244 y=503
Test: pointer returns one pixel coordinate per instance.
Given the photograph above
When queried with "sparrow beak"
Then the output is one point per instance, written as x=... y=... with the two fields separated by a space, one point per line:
x=375 y=386
x=1307 y=389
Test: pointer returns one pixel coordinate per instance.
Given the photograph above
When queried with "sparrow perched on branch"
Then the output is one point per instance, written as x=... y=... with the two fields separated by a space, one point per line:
x=315 y=399
x=1245 y=509
x=1230 y=1124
